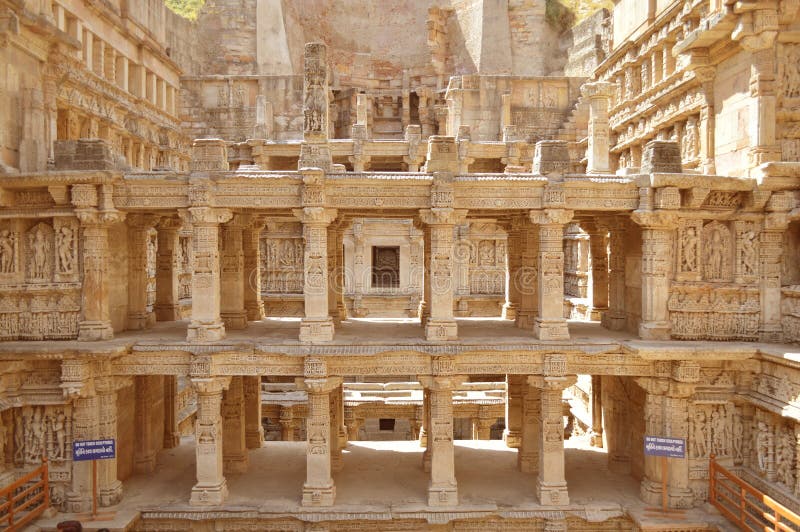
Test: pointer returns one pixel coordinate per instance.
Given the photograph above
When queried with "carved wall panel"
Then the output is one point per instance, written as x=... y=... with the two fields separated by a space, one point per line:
x=706 y=313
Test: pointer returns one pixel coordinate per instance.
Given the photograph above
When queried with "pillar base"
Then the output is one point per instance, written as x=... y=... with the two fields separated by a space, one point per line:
x=509 y=311
x=650 y=492
x=94 y=331
x=234 y=320
x=232 y=465
x=528 y=462
x=138 y=321
x=443 y=495
x=167 y=312
x=254 y=439
x=525 y=319
x=171 y=440
x=205 y=332
x=315 y=330
x=772 y=334
x=654 y=330
x=596 y=439
x=145 y=464
x=319 y=495
x=552 y=494
x=551 y=329
x=255 y=311
x=512 y=438
x=426 y=460
x=209 y=494
x=597 y=313
x=441 y=330
x=613 y=321
x=110 y=495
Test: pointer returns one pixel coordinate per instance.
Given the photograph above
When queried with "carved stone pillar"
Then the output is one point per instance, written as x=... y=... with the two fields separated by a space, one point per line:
x=211 y=488
x=318 y=489
x=206 y=324
x=614 y=319
x=84 y=427
x=658 y=228
x=286 y=421
x=317 y=325
x=95 y=321
x=254 y=430
x=109 y=488
x=443 y=489
x=424 y=433
x=337 y=441
x=172 y=437
x=167 y=307
x=139 y=226
x=440 y=326
x=234 y=448
x=530 y=428
x=525 y=280
x=145 y=449
x=251 y=244
x=315 y=151
x=232 y=279
x=335 y=270
x=598 y=244
x=550 y=324
x=514 y=261
x=551 y=487
x=596 y=437
x=512 y=433
x=599 y=96
x=483 y=428
x=770 y=259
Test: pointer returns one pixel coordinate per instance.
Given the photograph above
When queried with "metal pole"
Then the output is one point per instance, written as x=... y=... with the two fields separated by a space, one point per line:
x=664 y=484
x=94 y=490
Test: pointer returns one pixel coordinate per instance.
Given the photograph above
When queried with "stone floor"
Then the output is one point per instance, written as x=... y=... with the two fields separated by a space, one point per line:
x=385 y=480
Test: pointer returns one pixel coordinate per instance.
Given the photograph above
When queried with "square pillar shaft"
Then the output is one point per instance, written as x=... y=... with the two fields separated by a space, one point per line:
x=254 y=430
x=211 y=488
x=234 y=455
x=232 y=278
x=167 y=307
x=550 y=324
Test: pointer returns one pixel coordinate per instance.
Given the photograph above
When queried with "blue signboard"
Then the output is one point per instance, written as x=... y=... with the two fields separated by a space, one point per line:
x=93 y=450
x=669 y=447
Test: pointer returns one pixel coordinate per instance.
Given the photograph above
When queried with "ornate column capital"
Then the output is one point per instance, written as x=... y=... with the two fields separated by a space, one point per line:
x=208 y=215
x=441 y=383
x=210 y=385
x=315 y=215
x=551 y=216
x=655 y=219
x=442 y=216
x=323 y=385
x=598 y=89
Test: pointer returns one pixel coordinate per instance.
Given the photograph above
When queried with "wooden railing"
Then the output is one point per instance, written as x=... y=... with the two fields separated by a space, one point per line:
x=25 y=500
x=745 y=506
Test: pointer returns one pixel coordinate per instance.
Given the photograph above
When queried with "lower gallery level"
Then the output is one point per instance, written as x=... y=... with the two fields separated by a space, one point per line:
x=493 y=434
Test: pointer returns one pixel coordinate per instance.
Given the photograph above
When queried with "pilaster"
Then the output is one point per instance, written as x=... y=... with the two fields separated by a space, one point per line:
x=658 y=228
x=139 y=226
x=253 y=304
x=211 y=487
x=596 y=435
x=109 y=488
x=514 y=389
x=551 y=324
x=172 y=437
x=615 y=319
x=167 y=307
x=234 y=448
x=145 y=450
x=232 y=278
x=254 y=430
x=525 y=279
x=770 y=253
x=96 y=213
x=598 y=245
x=528 y=455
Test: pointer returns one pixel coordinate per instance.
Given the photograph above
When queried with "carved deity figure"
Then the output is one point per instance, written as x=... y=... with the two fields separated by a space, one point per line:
x=784 y=456
x=34 y=444
x=715 y=255
x=719 y=430
x=689 y=144
x=65 y=247
x=699 y=435
x=689 y=255
x=38 y=245
x=59 y=432
x=19 y=438
x=6 y=251
x=738 y=439
x=487 y=253
x=749 y=253
x=762 y=445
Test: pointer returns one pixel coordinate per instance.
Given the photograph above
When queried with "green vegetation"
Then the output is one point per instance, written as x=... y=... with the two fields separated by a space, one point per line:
x=186 y=8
